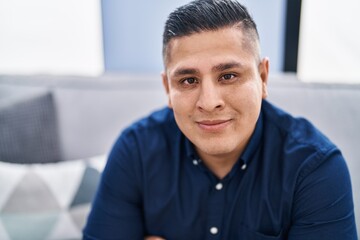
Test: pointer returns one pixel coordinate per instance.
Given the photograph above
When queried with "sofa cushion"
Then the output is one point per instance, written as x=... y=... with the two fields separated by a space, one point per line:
x=47 y=201
x=28 y=126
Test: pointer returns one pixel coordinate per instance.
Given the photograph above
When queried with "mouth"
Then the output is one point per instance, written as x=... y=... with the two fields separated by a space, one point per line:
x=213 y=125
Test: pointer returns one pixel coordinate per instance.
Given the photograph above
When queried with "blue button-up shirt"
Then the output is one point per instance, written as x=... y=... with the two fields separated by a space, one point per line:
x=290 y=182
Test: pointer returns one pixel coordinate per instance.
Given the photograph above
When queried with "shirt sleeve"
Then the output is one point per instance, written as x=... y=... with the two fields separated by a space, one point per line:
x=117 y=209
x=323 y=204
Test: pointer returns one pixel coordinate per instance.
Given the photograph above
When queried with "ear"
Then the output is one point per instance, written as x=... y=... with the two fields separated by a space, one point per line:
x=264 y=75
x=167 y=87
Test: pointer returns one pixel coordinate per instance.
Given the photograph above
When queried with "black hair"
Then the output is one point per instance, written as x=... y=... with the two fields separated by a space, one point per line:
x=207 y=15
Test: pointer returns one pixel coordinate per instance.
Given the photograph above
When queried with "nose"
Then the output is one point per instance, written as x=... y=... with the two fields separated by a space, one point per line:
x=210 y=97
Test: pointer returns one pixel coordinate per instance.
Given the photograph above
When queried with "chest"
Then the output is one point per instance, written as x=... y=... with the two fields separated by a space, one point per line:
x=248 y=205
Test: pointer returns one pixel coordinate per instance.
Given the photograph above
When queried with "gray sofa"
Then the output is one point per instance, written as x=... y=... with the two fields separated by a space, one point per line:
x=70 y=120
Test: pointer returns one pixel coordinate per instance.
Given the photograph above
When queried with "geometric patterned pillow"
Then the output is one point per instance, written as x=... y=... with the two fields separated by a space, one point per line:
x=47 y=201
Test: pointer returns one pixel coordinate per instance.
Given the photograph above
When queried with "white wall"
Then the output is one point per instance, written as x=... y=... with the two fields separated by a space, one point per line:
x=51 y=37
x=329 y=46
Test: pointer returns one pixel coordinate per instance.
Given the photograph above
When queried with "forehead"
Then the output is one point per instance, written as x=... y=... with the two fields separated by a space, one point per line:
x=226 y=44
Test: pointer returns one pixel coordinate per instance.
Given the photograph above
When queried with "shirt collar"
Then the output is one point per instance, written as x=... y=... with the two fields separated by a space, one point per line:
x=249 y=151
x=254 y=141
x=190 y=149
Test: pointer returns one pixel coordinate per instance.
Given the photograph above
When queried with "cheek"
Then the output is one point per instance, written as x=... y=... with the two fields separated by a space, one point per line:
x=243 y=92
x=181 y=102
x=246 y=99
x=254 y=90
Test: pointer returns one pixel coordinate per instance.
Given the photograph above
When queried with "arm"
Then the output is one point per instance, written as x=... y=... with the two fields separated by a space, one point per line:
x=117 y=208
x=323 y=205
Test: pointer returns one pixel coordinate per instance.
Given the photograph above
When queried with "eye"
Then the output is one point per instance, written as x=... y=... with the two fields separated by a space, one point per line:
x=189 y=81
x=227 y=76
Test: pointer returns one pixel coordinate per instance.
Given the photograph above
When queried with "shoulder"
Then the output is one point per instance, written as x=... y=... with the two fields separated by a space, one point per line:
x=149 y=133
x=158 y=123
x=296 y=130
x=299 y=141
x=159 y=119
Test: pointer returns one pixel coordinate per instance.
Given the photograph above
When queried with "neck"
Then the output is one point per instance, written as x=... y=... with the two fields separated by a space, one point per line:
x=220 y=165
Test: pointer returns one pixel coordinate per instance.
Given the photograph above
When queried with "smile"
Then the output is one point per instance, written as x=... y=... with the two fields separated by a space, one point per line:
x=213 y=125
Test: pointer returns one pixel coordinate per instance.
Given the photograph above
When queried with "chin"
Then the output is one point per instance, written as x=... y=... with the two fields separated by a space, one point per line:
x=216 y=149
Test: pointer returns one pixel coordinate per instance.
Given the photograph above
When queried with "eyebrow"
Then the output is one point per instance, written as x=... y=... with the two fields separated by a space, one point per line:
x=185 y=71
x=225 y=66
x=218 y=68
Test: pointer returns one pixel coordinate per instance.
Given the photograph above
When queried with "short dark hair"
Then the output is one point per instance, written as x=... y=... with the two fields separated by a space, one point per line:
x=207 y=15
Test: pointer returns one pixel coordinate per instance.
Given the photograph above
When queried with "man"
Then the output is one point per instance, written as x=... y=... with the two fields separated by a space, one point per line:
x=220 y=162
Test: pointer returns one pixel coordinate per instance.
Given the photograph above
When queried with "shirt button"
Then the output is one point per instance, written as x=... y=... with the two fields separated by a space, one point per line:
x=243 y=167
x=214 y=230
x=219 y=186
x=195 y=162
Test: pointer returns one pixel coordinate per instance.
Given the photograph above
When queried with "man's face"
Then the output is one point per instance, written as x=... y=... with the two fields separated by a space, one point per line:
x=215 y=85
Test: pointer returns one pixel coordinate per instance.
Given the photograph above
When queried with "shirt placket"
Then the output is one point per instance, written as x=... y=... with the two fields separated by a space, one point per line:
x=216 y=210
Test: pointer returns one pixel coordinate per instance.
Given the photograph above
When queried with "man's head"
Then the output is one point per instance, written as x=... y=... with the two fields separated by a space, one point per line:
x=214 y=78
x=209 y=15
